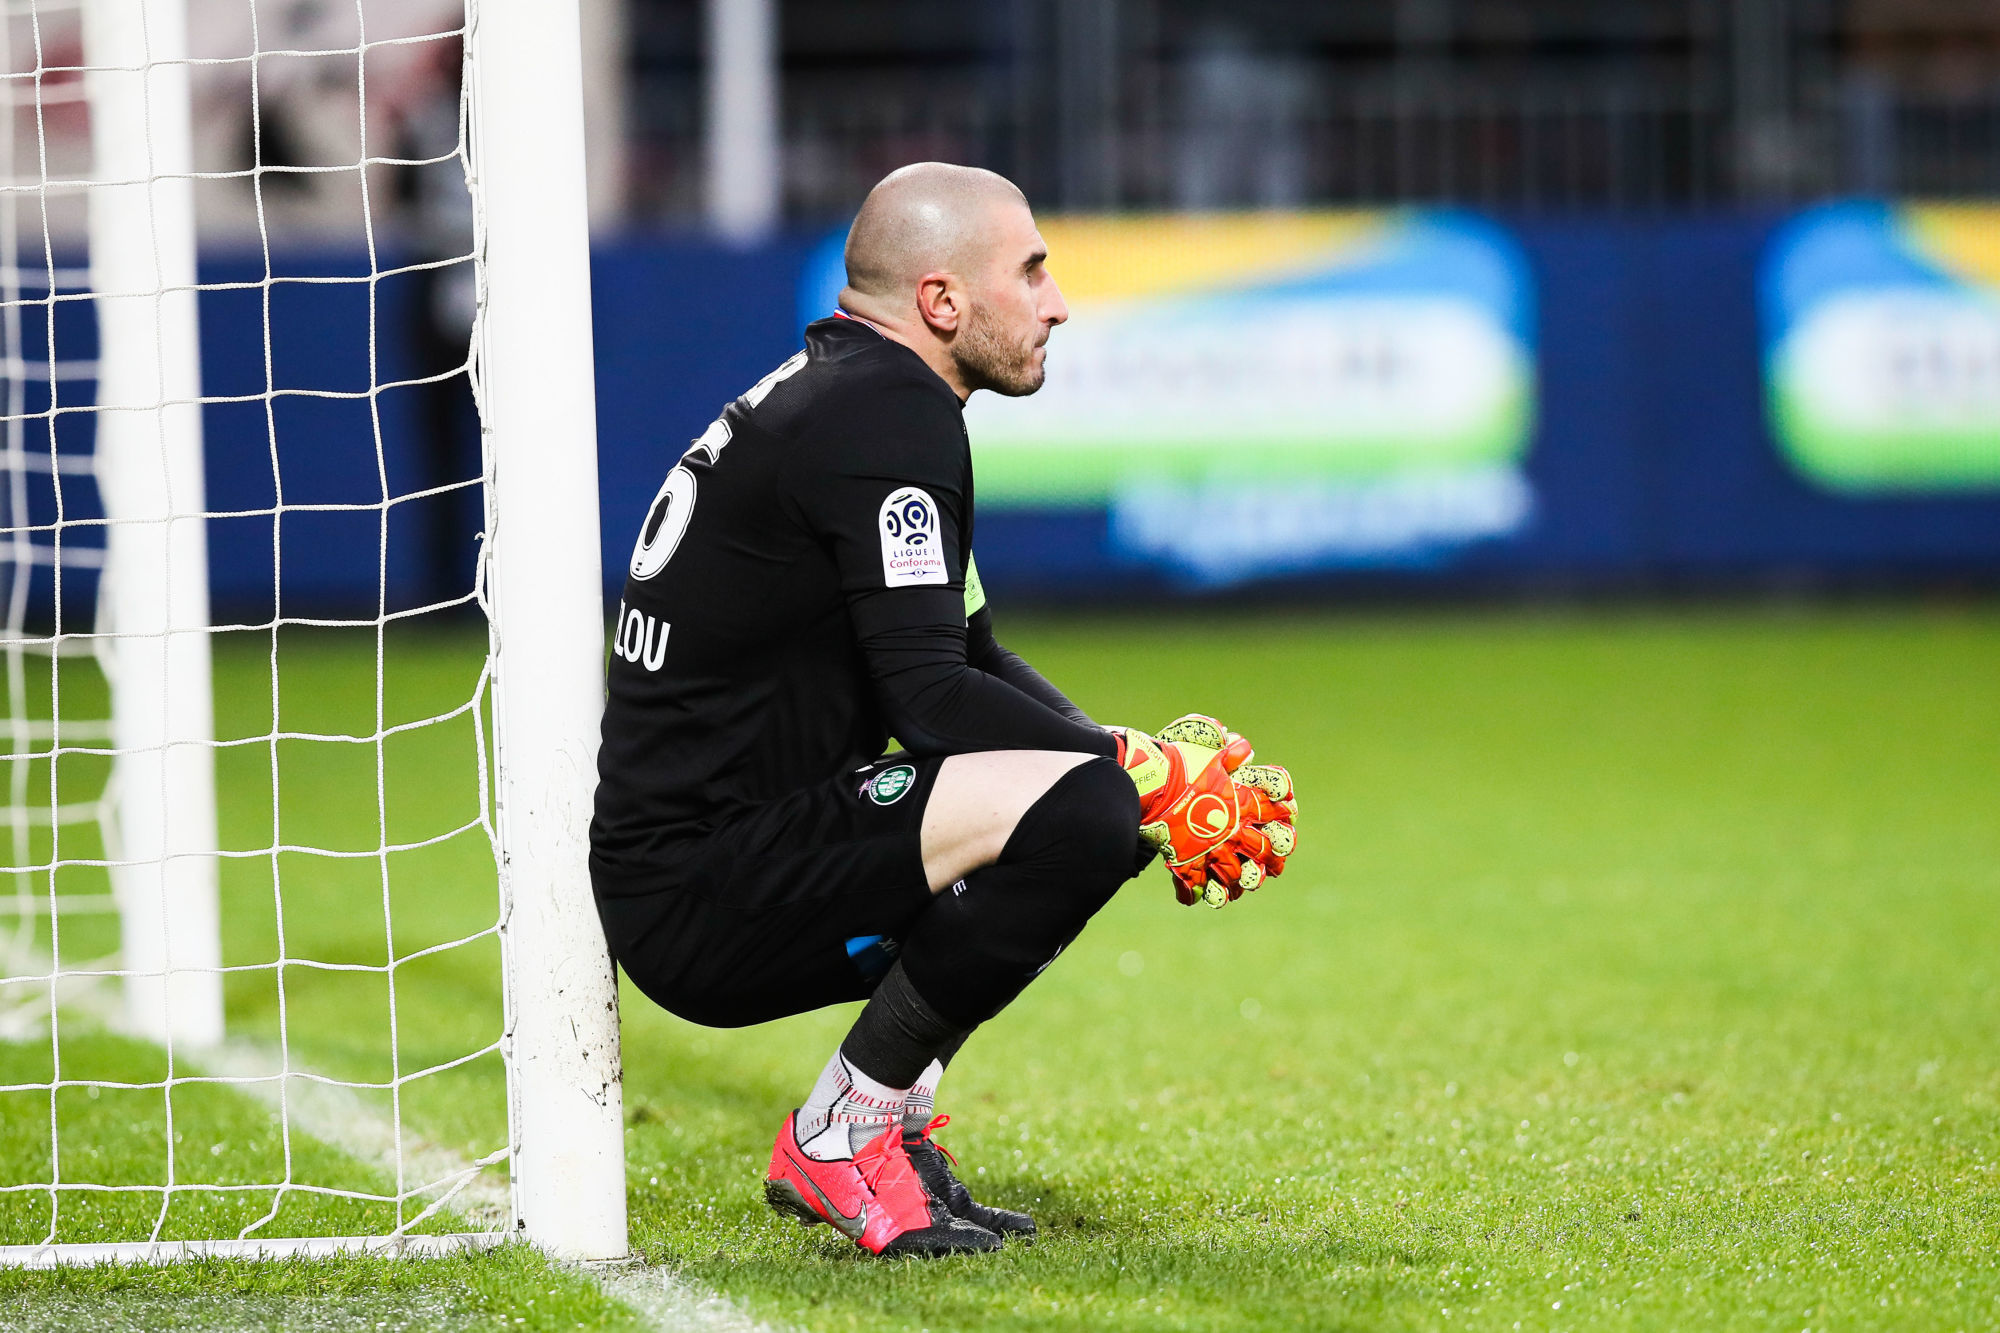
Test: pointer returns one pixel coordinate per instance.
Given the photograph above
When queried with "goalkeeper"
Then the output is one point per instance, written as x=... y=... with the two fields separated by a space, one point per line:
x=802 y=590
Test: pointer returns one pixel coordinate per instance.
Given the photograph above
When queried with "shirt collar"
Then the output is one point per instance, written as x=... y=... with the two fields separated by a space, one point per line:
x=838 y=313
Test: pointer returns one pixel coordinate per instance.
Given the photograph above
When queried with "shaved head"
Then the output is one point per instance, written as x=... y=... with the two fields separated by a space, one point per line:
x=946 y=260
x=927 y=217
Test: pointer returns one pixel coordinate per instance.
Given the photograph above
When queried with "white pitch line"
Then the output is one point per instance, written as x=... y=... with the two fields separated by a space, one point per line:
x=664 y=1300
x=338 y=1115
x=668 y=1301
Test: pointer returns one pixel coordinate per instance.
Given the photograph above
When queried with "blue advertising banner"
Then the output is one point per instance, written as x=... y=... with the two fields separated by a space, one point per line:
x=1882 y=347
x=1407 y=399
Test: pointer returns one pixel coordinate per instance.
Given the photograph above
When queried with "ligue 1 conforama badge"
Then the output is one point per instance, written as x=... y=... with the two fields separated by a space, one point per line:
x=912 y=551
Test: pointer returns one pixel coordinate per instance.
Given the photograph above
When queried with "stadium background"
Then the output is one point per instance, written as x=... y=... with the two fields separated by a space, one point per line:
x=1663 y=190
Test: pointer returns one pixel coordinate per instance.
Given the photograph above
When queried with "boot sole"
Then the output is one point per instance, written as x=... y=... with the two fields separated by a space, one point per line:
x=785 y=1198
x=915 y=1245
x=1011 y=1235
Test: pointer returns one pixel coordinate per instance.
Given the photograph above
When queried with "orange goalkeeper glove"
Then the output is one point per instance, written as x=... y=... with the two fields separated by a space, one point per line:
x=1189 y=805
x=1261 y=843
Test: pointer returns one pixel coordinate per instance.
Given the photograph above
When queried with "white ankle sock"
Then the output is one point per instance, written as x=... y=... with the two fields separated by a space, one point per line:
x=922 y=1100
x=846 y=1110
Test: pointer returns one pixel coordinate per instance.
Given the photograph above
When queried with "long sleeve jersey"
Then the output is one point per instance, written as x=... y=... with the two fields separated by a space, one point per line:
x=802 y=590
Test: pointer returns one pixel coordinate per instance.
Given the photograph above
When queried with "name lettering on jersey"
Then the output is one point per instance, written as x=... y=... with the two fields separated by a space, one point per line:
x=641 y=639
x=912 y=551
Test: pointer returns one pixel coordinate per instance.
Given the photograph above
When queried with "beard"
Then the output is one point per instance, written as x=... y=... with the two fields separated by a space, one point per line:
x=988 y=359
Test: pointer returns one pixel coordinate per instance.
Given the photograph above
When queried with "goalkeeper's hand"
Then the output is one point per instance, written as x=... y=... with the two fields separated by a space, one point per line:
x=1189 y=805
x=1257 y=851
x=1195 y=780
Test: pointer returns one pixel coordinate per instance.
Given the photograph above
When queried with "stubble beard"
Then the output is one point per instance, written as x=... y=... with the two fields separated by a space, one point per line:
x=986 y=359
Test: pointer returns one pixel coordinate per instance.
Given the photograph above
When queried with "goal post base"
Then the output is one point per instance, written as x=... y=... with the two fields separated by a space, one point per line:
x=312 y=1247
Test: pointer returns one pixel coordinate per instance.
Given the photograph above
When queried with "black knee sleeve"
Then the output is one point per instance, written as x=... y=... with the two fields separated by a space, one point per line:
x=985 y=938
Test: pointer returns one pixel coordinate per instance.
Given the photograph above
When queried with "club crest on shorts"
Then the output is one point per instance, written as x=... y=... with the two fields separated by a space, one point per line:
x=891 y=784
x=912 y=551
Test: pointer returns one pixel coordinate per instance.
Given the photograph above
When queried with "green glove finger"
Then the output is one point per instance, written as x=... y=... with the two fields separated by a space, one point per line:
x=1271 y=779
x=1194 y=729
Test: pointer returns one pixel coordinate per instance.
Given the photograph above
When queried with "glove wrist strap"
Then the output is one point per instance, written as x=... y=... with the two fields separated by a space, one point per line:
x=1145 y=762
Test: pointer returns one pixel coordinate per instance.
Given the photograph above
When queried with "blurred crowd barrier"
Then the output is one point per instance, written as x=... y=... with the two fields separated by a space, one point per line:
x=1304 y=400
x=1514 y=105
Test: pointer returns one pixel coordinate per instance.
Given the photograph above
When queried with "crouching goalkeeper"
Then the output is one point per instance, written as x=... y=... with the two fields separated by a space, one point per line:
x=802 y=590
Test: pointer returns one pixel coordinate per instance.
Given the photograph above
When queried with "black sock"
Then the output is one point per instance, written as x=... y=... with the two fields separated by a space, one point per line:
x=981 y=942
x=898 y=1033
x=950 y=1048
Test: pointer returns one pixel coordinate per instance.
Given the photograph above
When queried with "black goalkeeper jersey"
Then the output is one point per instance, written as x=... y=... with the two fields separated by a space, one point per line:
x=796 y=597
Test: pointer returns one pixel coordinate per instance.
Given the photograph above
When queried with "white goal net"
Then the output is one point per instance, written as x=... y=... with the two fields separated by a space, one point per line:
x=296 y=950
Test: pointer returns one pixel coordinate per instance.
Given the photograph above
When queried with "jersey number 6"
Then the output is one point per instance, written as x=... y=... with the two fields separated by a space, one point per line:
x=667 y=521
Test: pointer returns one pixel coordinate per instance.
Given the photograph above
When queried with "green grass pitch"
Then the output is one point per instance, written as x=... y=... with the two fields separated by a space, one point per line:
x=1637 y=970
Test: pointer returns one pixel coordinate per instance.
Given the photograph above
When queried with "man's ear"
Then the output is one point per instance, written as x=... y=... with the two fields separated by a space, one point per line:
x=940 y=301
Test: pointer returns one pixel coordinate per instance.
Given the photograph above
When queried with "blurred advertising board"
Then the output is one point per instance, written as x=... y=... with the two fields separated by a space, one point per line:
x=1881 y=327
x=1256 y=394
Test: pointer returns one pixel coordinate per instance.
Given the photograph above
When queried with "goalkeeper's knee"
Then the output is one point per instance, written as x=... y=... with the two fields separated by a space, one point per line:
x=1084 y=832
x=987 y=936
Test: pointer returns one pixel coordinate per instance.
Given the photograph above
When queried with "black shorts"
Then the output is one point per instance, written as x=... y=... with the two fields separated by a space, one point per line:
x=782 y=908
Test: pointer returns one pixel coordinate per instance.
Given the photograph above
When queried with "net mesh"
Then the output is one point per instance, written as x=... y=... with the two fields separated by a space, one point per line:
x=356 y=858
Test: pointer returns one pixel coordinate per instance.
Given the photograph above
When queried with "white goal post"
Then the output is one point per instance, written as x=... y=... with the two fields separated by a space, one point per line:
x=540 y=408
x=530 y=373
x=154 y=598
